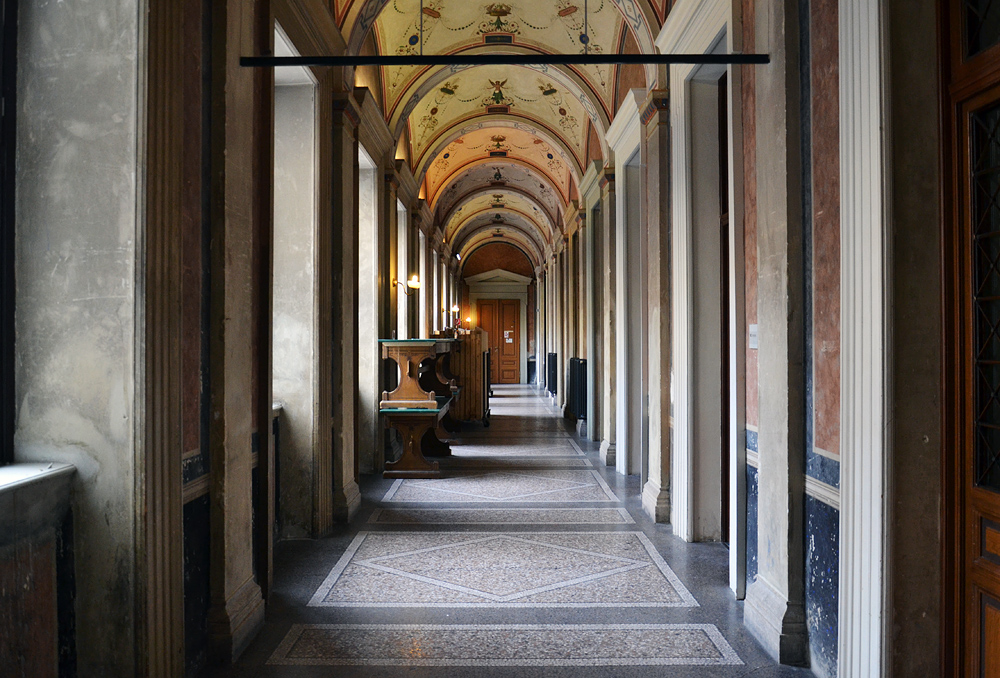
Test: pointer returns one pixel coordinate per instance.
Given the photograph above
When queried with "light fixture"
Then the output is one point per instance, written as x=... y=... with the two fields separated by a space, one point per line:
x=455 y=309
x=411 y=286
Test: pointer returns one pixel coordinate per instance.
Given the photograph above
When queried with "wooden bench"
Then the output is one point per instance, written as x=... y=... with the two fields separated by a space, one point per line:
x=420 y=428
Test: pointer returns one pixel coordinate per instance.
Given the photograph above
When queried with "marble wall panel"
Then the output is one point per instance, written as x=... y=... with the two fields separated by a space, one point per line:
x=751 y=524
x=822 y=585
x=826 y=223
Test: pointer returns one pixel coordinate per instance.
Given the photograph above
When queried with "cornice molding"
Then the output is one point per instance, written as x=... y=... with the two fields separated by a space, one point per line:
x=623 y=135
x=373 y=133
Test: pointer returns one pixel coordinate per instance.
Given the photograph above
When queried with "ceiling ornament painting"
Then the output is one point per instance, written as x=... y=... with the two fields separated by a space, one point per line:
x=541 y=140
x=449 y=26
x=484 y=91
x=495 y=144
x=486 y=176
x=491 y=204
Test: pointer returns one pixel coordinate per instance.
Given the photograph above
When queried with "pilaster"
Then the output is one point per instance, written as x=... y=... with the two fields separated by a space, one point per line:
x=160 y=646
x=656 y=149
x=607 y=320
x=236 y=612
x=343 y=309
x=774 y=611
x=865 y=344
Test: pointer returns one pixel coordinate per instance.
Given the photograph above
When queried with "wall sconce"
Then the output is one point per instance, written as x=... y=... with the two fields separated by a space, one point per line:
x=412 y=285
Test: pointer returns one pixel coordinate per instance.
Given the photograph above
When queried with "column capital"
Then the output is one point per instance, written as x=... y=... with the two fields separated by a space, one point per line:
x=656 y=105
x=345 y=110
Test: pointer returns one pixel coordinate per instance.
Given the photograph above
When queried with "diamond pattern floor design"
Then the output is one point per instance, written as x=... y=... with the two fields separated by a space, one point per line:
x=528 y=559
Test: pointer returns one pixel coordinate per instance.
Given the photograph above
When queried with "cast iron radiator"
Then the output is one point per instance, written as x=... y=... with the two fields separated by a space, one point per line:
x=552 y=372
x=576 y=390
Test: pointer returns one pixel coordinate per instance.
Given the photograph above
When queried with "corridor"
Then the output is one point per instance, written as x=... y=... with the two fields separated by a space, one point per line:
x=528 y=554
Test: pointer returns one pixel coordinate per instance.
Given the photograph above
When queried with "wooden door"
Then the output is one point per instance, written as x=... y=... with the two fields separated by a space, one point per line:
x=972 y=263
x=510 y=342
x=501 y=318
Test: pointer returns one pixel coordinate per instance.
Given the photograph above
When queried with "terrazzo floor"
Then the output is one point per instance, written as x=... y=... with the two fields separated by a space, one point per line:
x=528 y=559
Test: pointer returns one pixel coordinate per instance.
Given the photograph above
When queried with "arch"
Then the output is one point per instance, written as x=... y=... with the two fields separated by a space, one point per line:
x=511 y=162
x=484 y=235
x=493 y=189
x=516 y=171
x=482 y=245
x=598 y=116
x=639 y=15
x=448 y=135
x=450 y=217
x=453 y=222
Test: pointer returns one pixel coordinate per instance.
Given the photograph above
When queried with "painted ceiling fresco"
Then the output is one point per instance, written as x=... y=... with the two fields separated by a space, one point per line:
x=498 y=207
x=516 y=228
x=551 y=26
x=494 y=145
x=512 y=235
x=510 y=90
x=499 y=151
x=494 y=175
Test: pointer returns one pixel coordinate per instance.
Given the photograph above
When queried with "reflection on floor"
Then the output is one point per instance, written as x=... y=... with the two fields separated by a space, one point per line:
x=528 y=558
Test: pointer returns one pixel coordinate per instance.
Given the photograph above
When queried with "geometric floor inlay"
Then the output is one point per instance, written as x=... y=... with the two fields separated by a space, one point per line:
x=504 y=645
x=524 y=448
x=502 y=569
x=497 y=463
x=505 y=486
x=501 y=516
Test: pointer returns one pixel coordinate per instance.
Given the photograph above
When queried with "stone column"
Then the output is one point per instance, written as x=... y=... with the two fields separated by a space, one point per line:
x=237 y=607
x=565 y=324
x=774 y=611
x=342 y=309
x=656 y=147
x=608 y=389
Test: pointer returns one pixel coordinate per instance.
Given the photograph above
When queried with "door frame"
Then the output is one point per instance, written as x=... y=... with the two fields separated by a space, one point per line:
x=501 y=284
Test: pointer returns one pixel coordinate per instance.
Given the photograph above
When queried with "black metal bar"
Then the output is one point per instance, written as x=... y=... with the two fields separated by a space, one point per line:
x=505 y=60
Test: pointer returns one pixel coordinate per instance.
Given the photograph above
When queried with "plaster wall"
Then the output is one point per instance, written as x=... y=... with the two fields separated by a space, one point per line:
x=368 y=316
x=78 y=239
x=294 y=295
x=706 y=312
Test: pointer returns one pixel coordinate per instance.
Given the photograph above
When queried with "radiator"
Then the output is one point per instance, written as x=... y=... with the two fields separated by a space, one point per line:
x=552 y=373
x=576 y=389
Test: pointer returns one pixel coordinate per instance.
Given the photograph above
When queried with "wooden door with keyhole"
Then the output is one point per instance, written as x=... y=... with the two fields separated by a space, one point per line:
x=501 y=318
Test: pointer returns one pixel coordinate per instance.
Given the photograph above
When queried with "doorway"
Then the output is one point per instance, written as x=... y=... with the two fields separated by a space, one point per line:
x=294 y=374
x=973 y=275
x=501 y=318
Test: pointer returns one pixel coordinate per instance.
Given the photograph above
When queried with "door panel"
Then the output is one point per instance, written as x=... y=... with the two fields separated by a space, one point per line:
x=510 y=341
x=978 y=155
x=501 y=318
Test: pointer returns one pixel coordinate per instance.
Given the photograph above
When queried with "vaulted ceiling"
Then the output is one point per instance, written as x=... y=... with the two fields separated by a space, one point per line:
x=500 y=151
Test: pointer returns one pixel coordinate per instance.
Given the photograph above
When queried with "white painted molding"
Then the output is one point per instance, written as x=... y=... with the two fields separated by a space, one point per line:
x=864 y=395
x=693 y=26
x=590 y=185
x=623 y=135
x=828 y=494
x=689 y=23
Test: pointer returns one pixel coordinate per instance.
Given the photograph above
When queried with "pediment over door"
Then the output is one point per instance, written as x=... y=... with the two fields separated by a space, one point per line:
x=497 y=275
